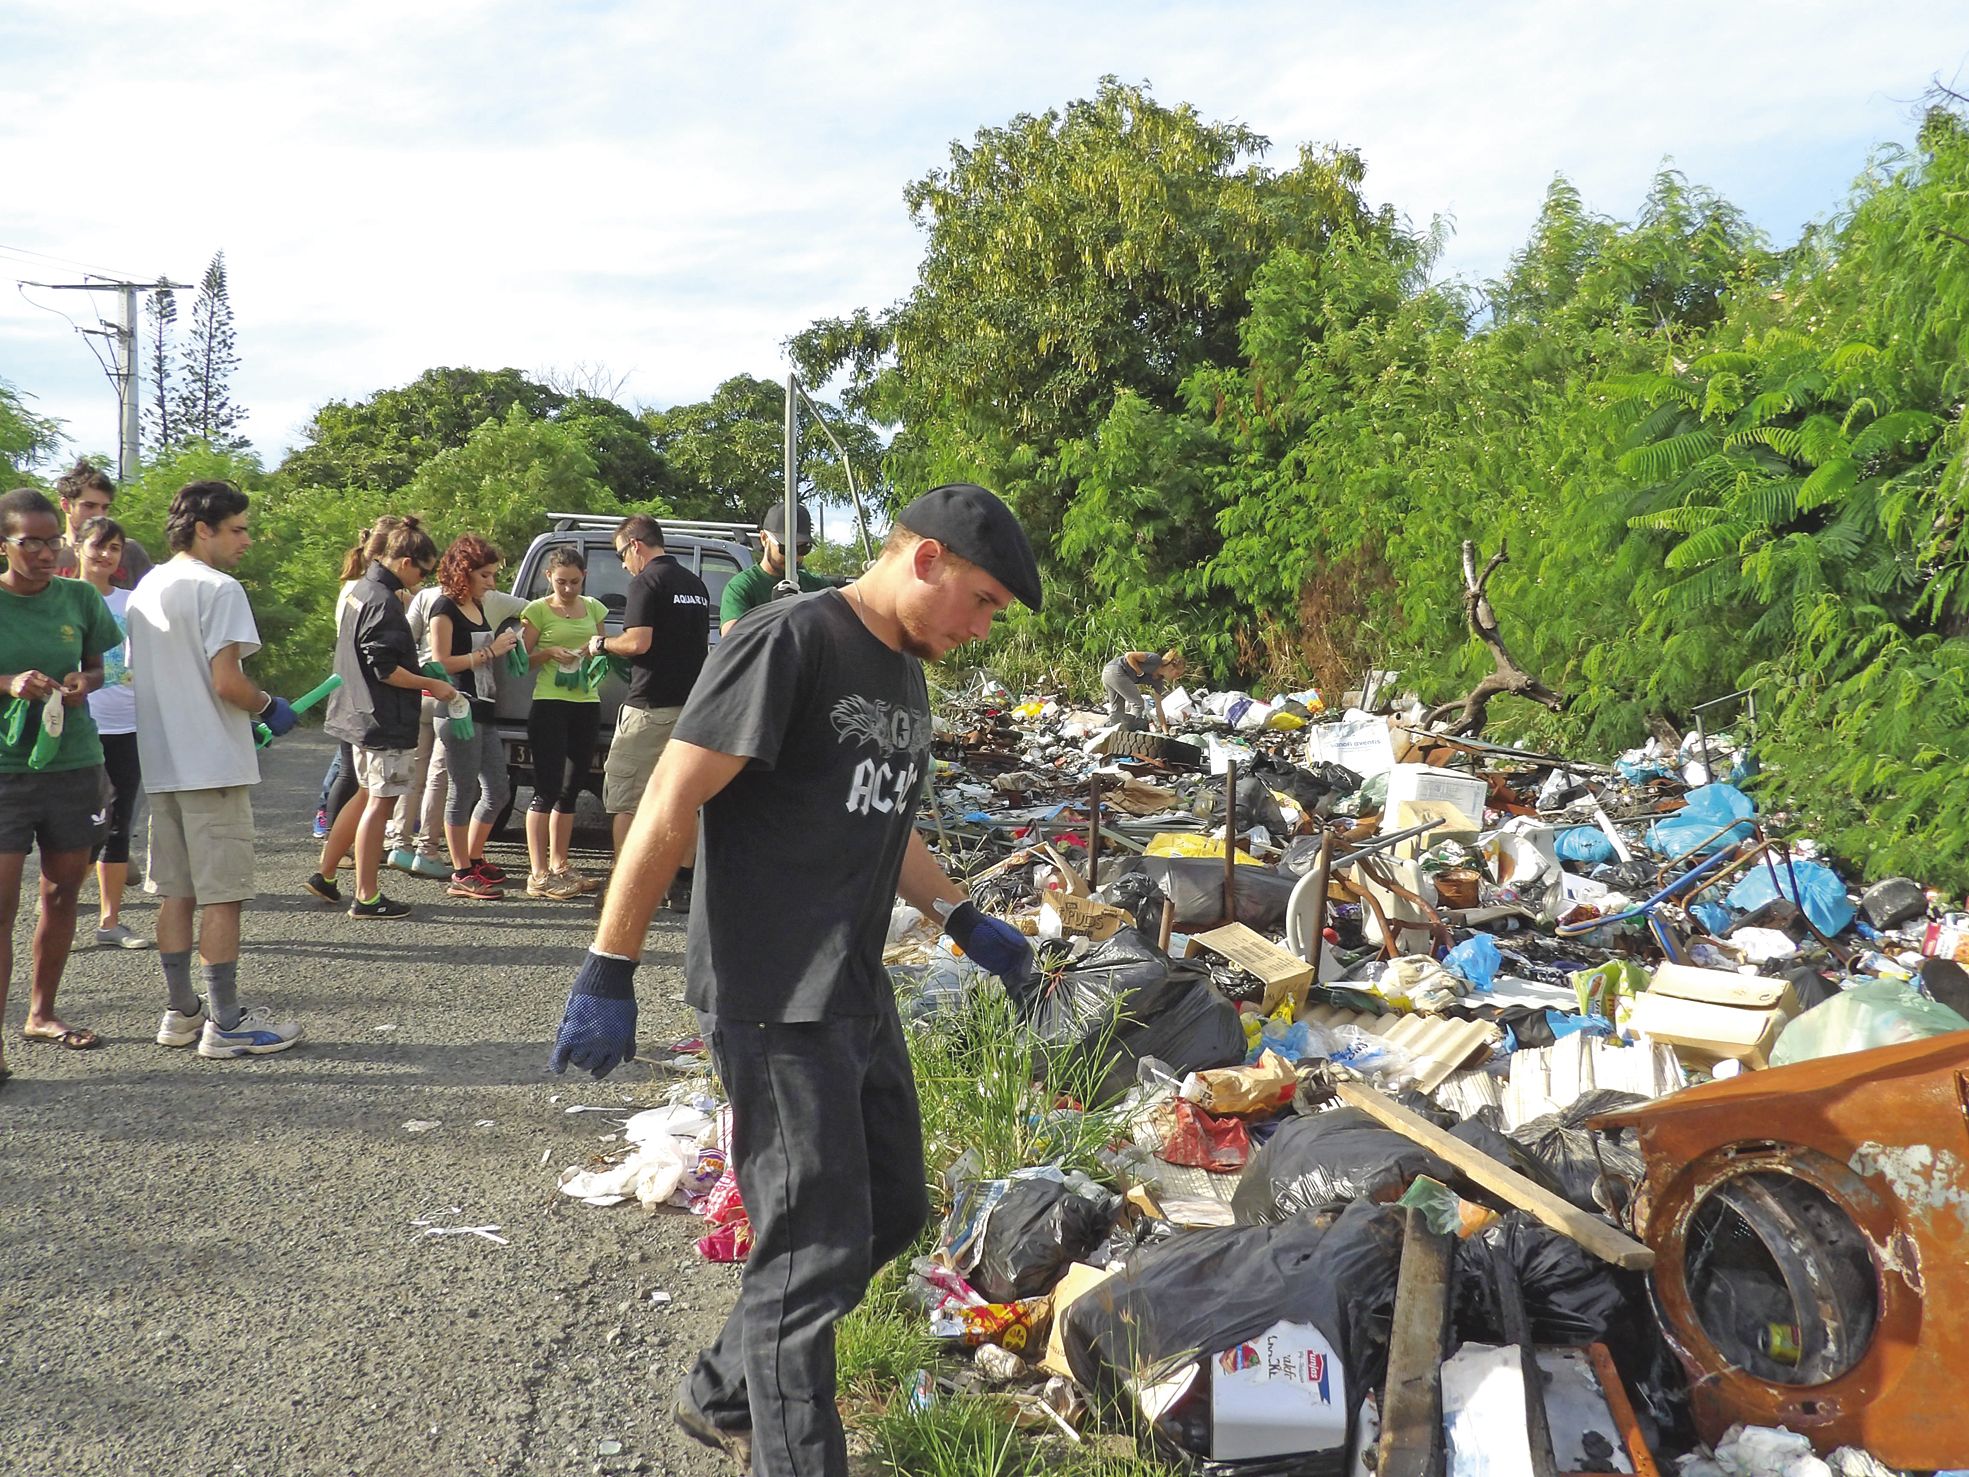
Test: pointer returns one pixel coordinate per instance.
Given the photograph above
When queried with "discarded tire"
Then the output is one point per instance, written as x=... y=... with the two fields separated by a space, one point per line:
x=1158 y=746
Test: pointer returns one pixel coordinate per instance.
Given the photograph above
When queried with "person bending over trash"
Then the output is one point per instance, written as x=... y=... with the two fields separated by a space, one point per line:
x=806 y=742
x=1136 y=682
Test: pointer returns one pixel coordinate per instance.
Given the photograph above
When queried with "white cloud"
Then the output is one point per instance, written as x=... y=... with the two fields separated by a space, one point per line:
x=672 y=190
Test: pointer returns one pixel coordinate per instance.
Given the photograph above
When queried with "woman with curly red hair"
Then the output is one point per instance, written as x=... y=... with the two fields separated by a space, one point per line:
x=463 y=642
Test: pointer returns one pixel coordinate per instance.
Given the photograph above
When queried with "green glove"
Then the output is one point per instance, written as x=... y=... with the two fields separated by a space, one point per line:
x=435 y=668
x=516 y=661
x=48 y=742
x=620 y=666
x=13 y=723
x=593 y=670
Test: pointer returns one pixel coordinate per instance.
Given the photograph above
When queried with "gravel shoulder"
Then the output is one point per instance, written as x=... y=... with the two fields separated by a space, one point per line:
x=214 y=1267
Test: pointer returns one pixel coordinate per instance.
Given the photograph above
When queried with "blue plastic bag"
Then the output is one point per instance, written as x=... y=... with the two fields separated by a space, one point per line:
x=1824 y=900
x=1713 y=916
x=1710 y=808
x=1584 y=844
x=1476 y=959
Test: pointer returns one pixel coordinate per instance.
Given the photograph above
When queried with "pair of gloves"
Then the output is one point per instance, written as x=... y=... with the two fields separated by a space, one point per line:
x=598 y=1028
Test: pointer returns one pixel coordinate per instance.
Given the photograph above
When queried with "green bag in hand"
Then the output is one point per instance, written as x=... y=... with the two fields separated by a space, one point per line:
x=48 y=742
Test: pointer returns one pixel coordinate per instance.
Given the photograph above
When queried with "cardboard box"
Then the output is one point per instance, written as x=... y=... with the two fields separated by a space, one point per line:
x=1082 y=915
x=1713 y=1015
x=1282 y=973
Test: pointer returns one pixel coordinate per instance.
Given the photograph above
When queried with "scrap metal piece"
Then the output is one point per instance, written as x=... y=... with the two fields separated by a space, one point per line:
x=1811 y=1232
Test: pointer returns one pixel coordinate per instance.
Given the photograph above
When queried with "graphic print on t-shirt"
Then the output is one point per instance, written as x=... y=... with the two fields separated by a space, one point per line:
x=891 y=730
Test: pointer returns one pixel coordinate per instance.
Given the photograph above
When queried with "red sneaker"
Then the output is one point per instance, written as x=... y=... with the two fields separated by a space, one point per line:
x=486 y=870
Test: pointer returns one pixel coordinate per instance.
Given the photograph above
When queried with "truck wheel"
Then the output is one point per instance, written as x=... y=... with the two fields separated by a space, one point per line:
x=1159 y=746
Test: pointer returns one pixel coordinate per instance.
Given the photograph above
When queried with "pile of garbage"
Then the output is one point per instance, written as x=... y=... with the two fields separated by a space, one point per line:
x=1474 y=1109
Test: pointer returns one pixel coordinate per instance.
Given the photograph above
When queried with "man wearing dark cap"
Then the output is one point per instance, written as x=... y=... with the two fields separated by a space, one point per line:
x=806 y=743
x=751 y=588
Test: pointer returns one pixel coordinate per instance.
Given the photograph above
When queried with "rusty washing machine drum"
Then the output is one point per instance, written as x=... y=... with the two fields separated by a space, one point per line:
x=1810 y=1226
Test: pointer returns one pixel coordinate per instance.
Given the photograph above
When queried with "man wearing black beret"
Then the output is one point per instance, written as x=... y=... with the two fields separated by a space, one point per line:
x=806 y=743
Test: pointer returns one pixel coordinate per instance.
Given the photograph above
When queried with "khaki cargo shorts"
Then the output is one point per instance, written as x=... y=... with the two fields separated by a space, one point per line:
x=201 y=845
x=385 y=772
x=641 y=735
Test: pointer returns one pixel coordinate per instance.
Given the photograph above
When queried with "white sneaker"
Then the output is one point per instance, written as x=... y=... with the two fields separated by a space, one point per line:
x=256 y=1034
x=181 y=1030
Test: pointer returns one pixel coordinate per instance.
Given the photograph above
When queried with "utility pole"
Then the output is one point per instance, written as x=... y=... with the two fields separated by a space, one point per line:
x=790 y=539
x=123 y=359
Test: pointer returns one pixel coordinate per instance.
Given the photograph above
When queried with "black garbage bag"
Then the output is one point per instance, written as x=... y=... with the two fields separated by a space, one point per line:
x=1571 y=1297
x=1326 y=1160
x=1033 y=1235
x=1206 y=1292
x=1196 y=885
x=1563 y=1144
x=1137 y=893
x=1321 y=1161
x=1123 y=1000
x=1256 y=806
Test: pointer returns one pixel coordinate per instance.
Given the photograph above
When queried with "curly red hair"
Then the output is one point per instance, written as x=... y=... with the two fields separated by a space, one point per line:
x=468 y=552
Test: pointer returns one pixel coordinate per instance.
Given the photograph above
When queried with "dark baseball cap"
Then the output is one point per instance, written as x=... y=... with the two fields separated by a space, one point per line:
x=774 y=523
x=973 y=524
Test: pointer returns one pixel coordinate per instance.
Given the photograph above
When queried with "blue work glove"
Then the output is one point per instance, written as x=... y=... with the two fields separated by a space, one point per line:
x=598 y=1029
x=279 y=716
x=997 y=947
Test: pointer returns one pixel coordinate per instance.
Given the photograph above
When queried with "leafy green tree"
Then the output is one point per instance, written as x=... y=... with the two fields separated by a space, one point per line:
x=26 y=439
x=160 y=419
x=204 y=409
x=381 y=442
x=724 y=457
x=1071 y=258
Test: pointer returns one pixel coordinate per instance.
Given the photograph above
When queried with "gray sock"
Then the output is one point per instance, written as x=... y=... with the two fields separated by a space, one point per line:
x=177 y=980
x=222 y=993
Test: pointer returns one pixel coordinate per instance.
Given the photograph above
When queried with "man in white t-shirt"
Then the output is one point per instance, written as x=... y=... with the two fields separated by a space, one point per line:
x=190 y=628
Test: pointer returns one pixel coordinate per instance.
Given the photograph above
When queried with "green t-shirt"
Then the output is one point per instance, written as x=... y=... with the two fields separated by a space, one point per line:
x=558 y=630
x=51 y=633
x=752 y=587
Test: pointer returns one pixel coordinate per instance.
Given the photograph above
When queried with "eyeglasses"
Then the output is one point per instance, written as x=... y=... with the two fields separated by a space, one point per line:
x=32 y=545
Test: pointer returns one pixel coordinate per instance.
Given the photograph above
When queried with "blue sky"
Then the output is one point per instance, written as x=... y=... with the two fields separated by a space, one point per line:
x=668 y=191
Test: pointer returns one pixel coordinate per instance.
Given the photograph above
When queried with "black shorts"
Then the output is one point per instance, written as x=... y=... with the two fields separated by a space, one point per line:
x=64 y=811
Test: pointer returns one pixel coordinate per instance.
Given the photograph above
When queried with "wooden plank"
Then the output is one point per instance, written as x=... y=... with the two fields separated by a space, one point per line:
x=1604 y=1241
x=1412 y=1405
x=1510 y=1294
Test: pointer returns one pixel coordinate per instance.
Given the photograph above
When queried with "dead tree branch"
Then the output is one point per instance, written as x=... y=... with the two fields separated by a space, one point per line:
x=1509 y=676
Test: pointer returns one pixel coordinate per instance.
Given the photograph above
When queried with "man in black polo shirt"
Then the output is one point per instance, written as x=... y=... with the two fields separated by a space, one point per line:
x=665 y=626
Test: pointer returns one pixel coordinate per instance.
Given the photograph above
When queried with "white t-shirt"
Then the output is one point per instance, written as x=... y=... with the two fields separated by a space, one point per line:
x=181 y=615
x=114 y=704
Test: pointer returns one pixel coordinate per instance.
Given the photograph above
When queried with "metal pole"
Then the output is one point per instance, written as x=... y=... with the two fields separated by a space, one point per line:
x=126 y=389
x=1093 y=831
x=1230 y=841
x=1322 y=885
x=790 y=544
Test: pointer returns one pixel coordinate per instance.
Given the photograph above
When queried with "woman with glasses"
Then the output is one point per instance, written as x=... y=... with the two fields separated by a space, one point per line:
x=375 y=709
x=99 y=545
x=53 y=793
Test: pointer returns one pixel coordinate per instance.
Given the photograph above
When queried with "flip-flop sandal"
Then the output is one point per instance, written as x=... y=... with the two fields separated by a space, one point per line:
x=79 y=1039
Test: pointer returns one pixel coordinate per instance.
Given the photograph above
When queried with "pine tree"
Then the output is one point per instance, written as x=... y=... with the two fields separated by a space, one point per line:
x=161 y=424
x=204 y=407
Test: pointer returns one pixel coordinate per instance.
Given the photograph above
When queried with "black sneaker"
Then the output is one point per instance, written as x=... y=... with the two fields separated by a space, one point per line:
x=379 y=906
x=679 y=897
x=695 y=1424
x=323 y=888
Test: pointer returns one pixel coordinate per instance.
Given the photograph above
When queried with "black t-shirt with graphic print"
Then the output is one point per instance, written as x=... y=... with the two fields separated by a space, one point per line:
x=799 y=855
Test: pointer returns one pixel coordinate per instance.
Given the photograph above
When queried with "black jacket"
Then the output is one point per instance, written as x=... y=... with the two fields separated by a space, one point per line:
x=372 y=640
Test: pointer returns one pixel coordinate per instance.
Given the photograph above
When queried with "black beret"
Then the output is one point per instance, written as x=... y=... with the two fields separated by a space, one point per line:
x=973 y=524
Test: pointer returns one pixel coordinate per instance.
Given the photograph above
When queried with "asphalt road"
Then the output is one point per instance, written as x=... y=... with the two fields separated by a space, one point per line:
x=216 y=1266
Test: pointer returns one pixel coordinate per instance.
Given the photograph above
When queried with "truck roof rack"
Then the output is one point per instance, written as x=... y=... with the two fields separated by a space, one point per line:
x=736 y=533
